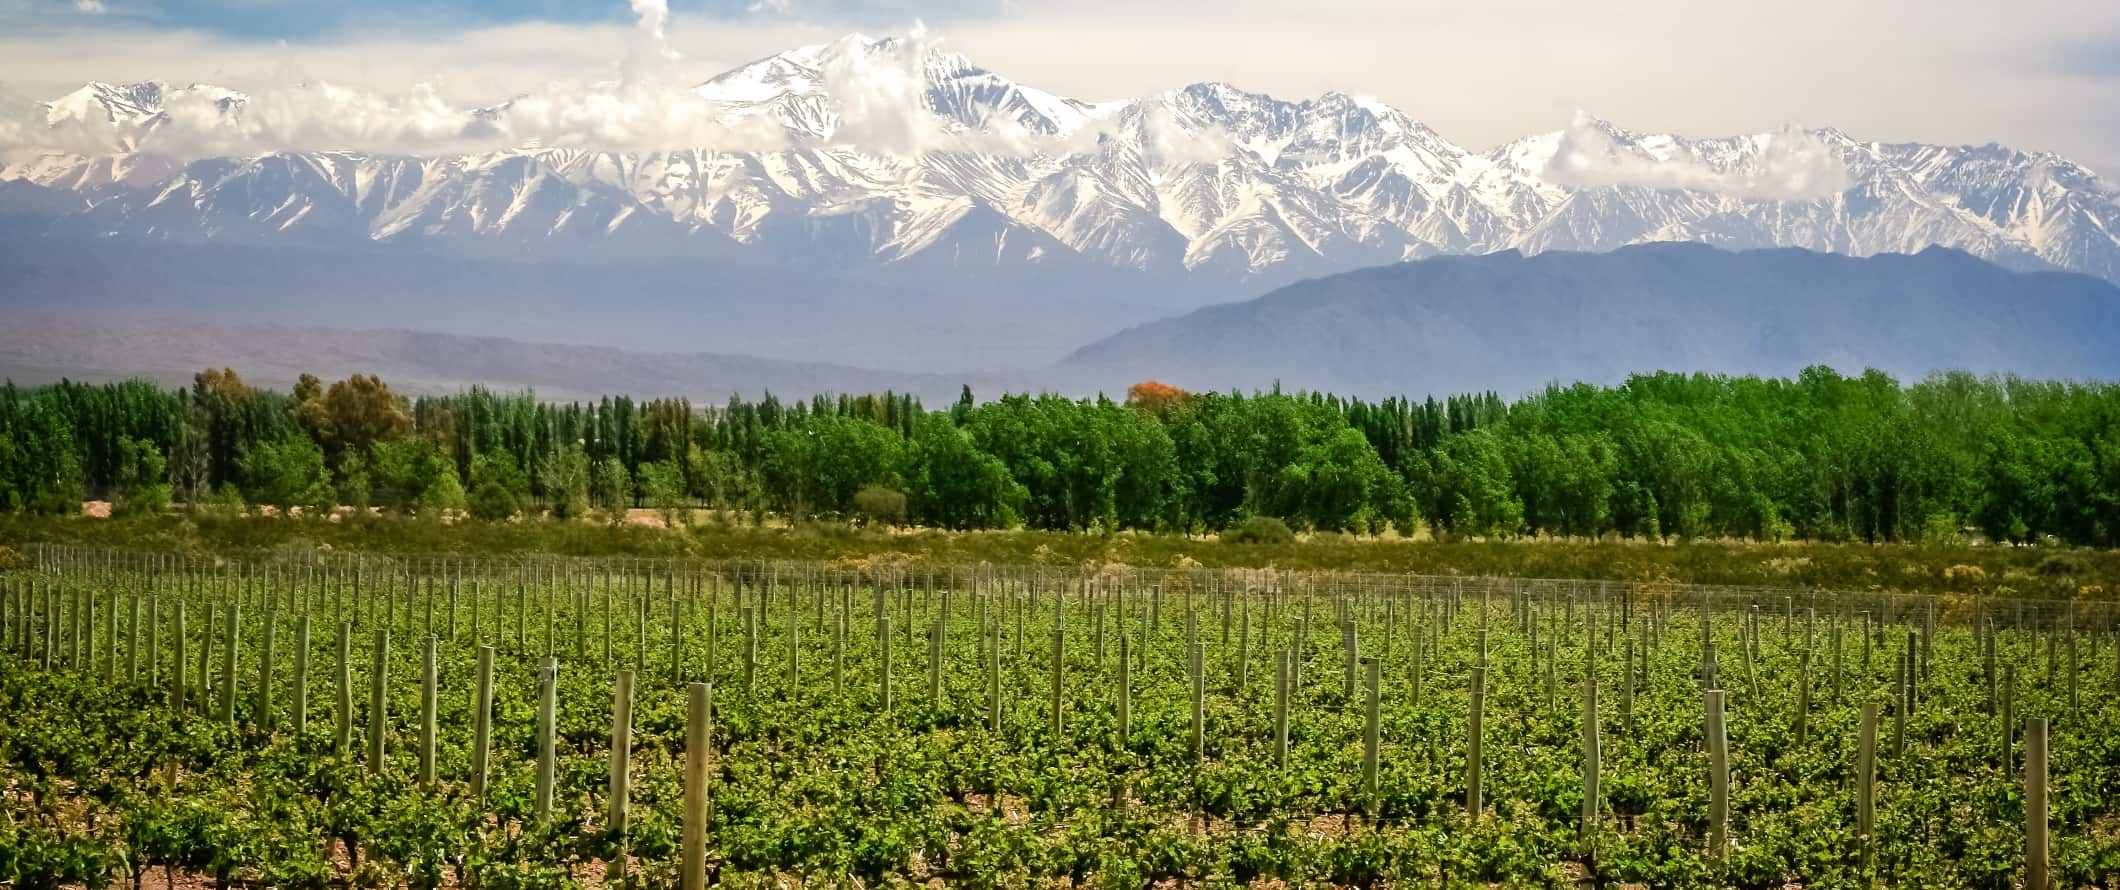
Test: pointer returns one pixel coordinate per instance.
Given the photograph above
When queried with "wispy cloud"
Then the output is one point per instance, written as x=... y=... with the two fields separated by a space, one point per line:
x=1790 y=165
x=1944 y=71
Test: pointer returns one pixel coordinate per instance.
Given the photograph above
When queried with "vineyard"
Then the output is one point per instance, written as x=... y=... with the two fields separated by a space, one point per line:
x=313 y=719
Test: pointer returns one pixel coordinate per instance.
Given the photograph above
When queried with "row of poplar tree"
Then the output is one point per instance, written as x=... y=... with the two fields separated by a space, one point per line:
x=1821 y=456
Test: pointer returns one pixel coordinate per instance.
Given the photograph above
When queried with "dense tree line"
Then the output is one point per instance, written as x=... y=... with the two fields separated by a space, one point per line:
x=1822 y=456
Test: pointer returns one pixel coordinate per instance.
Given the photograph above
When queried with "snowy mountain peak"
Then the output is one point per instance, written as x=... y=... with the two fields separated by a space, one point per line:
x=887 y=150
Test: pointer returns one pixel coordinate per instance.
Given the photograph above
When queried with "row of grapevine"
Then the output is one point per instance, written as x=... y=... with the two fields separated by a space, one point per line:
x=990 y=725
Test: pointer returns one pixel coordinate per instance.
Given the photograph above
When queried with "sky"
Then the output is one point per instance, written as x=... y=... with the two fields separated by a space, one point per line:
x=2038 y=75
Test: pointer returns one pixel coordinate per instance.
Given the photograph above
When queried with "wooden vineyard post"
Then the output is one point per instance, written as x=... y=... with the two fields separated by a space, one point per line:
x=228 y=664
x=548 y=609
x=1126 y=689
x=699 y=728
x=640 y=629
x=1913 y=674
x=266 y=659
x=993 y=678
x=1987 y=668
x=132 y=641
x=621 y=770
x=1718 y=776
x=205 y=662
x=2075 y=700
x=883 y=664
x=1295 y=656
x=482 y=724
x=1900 y=697
x=935 y=664
x=1837 y=672
x=343 y=740
x=749 y=616
x=1059 y=672
x=1372 y=729
x=1096 y=635
x=1803 y=699
x=430 y=682
x=1593 y=755
x=177 y=678
x=1280 y=708
x=1420 y=672
x=378 y=699
x=154 y=639
x=1626 y=687
x=547 y=752
x=1244 y=649
x=1474 y=736
x=301 y=675
x=839 y=654
x=51 y=626
x=109 y=657
x=1350 y=655
x=677 y=641
x=794 y=650
x=2009 y=715
x=1196 y=657
x=1866 y=785
x=1872 y=638
x=2036 y=875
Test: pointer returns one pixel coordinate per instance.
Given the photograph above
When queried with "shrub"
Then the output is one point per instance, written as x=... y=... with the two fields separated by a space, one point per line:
x=878 y=505
x=493 y=502
x=1259 y=530
x=227 y=502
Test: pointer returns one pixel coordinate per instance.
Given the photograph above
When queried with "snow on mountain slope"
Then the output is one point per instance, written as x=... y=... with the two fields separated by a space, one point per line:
x=894 y=151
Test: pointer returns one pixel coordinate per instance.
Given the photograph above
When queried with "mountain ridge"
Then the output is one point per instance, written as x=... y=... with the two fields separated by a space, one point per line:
x=1206 y=181
x=1506 y=322
x=883 y=203
x=1512 y=322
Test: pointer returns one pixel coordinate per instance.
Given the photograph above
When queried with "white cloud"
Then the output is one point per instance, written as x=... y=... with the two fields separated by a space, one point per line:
x=1944 y=71
x=91 y=7
x=1790 y=165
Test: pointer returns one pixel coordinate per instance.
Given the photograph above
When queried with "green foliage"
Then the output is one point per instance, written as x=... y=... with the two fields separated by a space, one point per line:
x=443 y=496
x=287 y=472
x=955 y=485
x=143 y=487
x=566 y=483
x=1262 y=530
x=610 y=486
x=226 y=503
x=815 y=466
x=662 y=485
x=878 y=505
x=107 y=784
x=413 y=475
x=1820 y=457
x=491 y=501
x=1470 y=490
x=40 y=464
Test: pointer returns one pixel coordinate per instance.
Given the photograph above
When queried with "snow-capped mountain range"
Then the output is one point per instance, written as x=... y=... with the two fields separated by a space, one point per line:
x=880 y=153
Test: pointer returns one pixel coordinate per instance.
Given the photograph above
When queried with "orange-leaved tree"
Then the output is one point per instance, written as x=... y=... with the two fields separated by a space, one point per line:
x=1154 y=396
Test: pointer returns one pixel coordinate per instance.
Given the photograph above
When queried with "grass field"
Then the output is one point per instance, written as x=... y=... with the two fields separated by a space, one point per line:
x=2049 y=573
